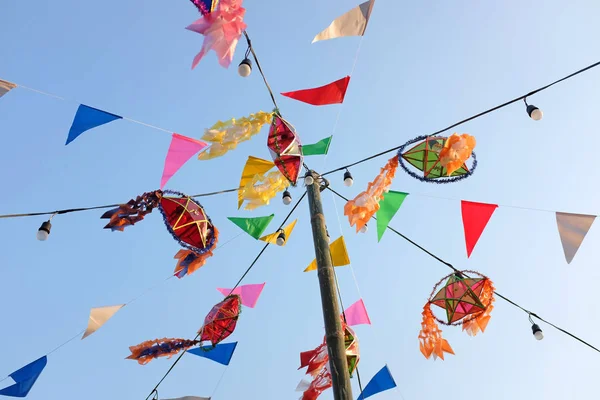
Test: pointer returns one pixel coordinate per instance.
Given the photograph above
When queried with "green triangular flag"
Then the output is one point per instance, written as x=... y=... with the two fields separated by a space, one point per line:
x=321 y=147
x=388 y=207
x=253 y=226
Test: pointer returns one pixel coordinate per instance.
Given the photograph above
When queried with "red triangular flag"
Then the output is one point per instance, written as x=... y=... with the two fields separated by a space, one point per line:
x=475 y=217
x=332 y=93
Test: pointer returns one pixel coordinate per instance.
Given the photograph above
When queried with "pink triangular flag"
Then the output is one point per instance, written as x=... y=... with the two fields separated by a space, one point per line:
x=356 y=314
x=182 y=148
x=475 y=217
x=248 y=293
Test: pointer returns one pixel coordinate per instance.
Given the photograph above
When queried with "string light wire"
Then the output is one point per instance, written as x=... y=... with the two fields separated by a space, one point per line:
x=522 y=97
x=496 y=293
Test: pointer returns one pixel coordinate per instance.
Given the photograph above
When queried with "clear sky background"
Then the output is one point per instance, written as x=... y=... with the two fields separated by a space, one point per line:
x=421 y=67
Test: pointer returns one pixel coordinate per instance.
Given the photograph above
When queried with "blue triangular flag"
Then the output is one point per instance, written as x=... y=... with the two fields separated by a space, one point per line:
x=24 y=378
x=87 y=118
x=221 y=353
x=381 y=382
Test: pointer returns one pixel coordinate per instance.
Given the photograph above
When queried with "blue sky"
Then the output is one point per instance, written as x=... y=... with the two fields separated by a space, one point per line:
x=421 y=67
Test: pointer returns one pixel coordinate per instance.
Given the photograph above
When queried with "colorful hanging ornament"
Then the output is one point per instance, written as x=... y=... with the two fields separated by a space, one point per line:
x=222 y=29
x=205 y=6
x=221 y=320
x=317 y=361
x=132 y=212
x=441 y=159
x=262 y=188
x=360 y=210
x=226 y=135
x=467 y=301
x=151 y=349
x=285 y=147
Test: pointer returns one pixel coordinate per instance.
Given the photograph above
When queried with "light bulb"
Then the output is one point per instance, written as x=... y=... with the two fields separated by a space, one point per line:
x=535 y=113
x=245 y=68
x=364 y=229
x=348 y=181
x=537 y=332
x=287 y=198
x=281 y=239
x=44 y=231
x=308 y=179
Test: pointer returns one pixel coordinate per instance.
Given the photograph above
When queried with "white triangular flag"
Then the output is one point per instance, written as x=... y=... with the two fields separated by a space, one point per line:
x=353 y=23
x=98 y=317
x=572 y=229
x=303 y=385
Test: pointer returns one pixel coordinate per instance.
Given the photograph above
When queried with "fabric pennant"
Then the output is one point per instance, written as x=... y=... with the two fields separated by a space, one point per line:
x=6 y=86
x=332 y=93
x=253 y=226
x=572 y=229
x=352 y=23
x=339 y=255
x=190 y=397
x=87 y=118
x=181 y=149
x=356 y=314
x=254 y=166
x=272 y=238
x=388 y=207
x=475 y=217
x=98 y=317
x=382 y=381
x=319 y=148
x=25 y=378
x=221 y=353
x=248 y=293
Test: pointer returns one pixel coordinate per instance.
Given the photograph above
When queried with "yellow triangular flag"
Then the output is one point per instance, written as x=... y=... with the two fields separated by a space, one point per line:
x=98 y=317
x=272 y=238
x=254 y=166
x=339 y=255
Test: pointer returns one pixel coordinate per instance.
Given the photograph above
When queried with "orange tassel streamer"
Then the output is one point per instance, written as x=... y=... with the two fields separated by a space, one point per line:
x=456 y=151
x=192 y=260
x=478 y=324
x=366 y=204
x=430 y=337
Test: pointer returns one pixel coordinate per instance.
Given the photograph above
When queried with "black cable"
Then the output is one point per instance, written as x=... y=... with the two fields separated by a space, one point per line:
x=523 y=97
x=71 y=210
x=496 y=293
x=155 y=390
x=260 y=69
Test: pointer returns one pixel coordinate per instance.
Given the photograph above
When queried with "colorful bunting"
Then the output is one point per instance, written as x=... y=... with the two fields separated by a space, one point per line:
x=253 y=226
x=98 y=317
x=357 y=314
x=319 y=148
x=248 y=293
x=221 y=353
x=332 y=93
x=254 y=166
x=5 y=87
x=475 y=217
x=222 y=30
x=352 y=23
x=87 y=118
x=181 y=149
x=272 y=238
x=388 y=207
x=572 y=229
x=25 y=378
x=339 y=255
x=382 y=381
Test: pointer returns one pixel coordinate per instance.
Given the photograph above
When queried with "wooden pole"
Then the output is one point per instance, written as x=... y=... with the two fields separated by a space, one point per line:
x=338 y=365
